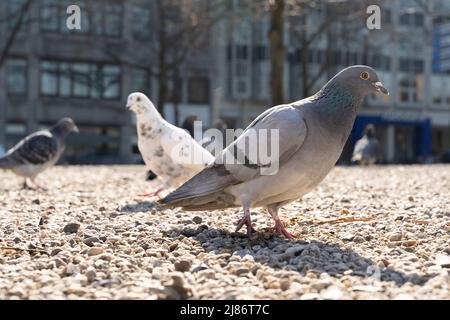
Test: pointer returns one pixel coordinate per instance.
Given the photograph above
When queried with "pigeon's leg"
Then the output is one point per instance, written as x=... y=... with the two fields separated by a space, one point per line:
x=247 y=220
x=25 y=185
x=152 y=194
x=37 y=185
x=279 y=227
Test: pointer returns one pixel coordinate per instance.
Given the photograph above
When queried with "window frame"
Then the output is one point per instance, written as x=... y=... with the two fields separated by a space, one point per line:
x=26 y=73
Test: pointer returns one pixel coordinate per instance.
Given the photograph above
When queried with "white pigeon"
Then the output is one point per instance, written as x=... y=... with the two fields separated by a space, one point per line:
x=168 y=151
x=312 y=135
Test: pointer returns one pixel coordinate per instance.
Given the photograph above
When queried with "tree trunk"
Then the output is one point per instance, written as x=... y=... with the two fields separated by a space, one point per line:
x=162 y=58
x=162 y=89
x=276 y=39
x=14 y=32
x=177 y=95
x=305 y=66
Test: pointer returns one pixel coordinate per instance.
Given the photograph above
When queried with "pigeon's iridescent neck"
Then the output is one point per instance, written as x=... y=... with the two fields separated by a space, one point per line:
x=337 y=101
x=60 y=131
x=338 y=107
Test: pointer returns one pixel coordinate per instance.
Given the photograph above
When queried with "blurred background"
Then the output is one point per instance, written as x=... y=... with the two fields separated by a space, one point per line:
x=220 y=61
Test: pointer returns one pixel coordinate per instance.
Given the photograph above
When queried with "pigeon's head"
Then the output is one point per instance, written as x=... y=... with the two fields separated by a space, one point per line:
x=67 y=125
x=64 y=127
x=139 y=103
x=361 y=78
x=369 y=131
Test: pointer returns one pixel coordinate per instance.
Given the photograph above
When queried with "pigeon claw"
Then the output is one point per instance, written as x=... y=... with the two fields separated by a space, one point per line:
x=248 y=222
x=281 y=230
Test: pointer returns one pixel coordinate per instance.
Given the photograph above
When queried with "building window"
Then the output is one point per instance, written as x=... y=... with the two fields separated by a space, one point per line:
x=16 y=76
x=175 y=89
x=412 y=19
x=198 y=90
x=142 y=23
x=111 y=81
x=241 y=52
x=54 y=16
x=107 y=19
x=14 y=10
x=140 y=80
x=411 y=65
x=80 y=80
x=410 y=91
x=49 y=78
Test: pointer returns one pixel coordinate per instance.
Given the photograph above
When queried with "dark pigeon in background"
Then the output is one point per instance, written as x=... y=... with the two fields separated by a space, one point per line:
x=38 y=151
x=366 y=150
x=312 y=135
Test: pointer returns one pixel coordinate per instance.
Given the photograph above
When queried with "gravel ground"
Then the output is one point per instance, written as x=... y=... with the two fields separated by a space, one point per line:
x=364 y=233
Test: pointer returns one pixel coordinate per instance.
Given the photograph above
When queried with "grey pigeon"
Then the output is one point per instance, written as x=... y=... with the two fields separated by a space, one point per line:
x=312 y=135
x=367 y=148
x=38 y=151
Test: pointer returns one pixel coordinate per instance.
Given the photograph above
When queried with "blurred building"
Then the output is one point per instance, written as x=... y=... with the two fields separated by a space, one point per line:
x=413 y=123
x=51 y=72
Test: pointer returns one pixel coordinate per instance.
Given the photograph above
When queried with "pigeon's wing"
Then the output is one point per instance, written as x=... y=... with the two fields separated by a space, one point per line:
x=236 y=164
x=36 y=149
x=184 y=150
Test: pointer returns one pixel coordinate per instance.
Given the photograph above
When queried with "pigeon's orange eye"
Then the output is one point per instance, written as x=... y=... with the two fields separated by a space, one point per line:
x=364 y=75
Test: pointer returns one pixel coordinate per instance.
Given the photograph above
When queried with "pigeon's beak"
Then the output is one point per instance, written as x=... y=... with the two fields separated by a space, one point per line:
x=76 y=130
x=380 y=87
x=128 y=106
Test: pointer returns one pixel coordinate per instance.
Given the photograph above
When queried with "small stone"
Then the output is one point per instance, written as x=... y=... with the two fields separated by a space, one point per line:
x=182 y=265
x=197 y=220
x=200 y=267
x=443 y=260
x=55 y=251
x=409 y=243
x=90 y=241
x=294 y=250
x=241 y=271
x=332 y=293
x=76 y=291
x=347 y=237
x=359 y=239
x=36 y=201
x=71 y=227
x=106 y=257
x=91 y=275
x=396 y=236
x=95 y=251
x=385 y=262
x=285 y=284
x=17 y=240
x=173 y=246
x=59 y=263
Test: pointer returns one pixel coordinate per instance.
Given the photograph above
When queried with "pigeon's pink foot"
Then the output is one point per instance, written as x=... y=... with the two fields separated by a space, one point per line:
x=151 y=194
x=280 y=229
x=248 y=222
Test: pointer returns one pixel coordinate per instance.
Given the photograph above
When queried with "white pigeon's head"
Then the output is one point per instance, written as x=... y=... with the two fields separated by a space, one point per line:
x=140 y=103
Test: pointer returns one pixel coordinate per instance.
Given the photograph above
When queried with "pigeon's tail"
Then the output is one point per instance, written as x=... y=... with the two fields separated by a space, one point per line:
x=6 y=163
x=214 y=201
